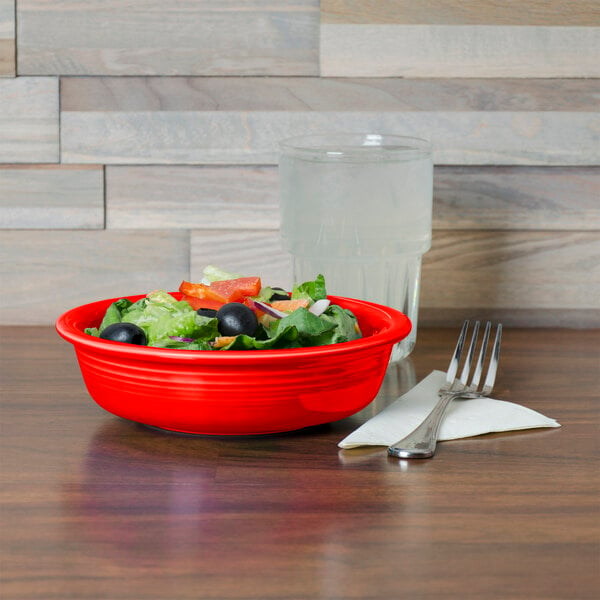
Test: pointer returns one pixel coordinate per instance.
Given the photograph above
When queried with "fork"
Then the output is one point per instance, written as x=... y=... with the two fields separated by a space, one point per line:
x=421 y=442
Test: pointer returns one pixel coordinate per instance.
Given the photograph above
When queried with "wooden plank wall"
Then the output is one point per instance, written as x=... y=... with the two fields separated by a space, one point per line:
x=138 y=142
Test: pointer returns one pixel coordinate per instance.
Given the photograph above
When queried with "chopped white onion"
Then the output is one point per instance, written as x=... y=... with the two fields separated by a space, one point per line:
x=319 y=307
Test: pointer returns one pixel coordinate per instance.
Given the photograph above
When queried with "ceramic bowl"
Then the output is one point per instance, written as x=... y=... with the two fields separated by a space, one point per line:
x=243 y=392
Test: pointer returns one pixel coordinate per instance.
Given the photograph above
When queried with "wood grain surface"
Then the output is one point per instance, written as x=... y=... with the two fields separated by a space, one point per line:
x=7 y=38
x=144 y=37
x=29 y=120
x=463 y=12
x=243 y=137
x=513 y=269
x=93 y=506
x=233 y=121
x=523 y=277
x=44 y=273
x=385 y=50
x=163 y=94
x=51 y=197
x=247 y=197
x=139 y=141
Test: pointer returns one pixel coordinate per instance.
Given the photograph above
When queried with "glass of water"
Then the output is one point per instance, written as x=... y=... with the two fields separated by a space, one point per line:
x=357 y=208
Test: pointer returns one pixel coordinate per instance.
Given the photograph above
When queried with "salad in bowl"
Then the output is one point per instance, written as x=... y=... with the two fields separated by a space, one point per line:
x=229 y=356
x=229 y=312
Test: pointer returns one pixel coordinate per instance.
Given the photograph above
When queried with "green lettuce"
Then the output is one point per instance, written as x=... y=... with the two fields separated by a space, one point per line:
x=310 y=290
x=163 y=318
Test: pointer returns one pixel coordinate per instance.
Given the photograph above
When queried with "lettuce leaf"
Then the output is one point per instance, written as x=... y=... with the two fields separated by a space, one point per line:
x=211 y=273
x=160 y=315
x=345 y=325
x=310 y=290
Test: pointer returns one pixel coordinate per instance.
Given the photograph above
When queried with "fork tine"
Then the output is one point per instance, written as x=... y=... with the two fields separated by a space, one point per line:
x=453 y=367
x=492 y=369
x=467 y=366
x=481 y=359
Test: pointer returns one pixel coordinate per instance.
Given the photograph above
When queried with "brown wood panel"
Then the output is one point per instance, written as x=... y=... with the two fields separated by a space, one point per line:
x=45 y=273
x=238 y=197
x=461 y=12
x=293 y=94
x=533 y=198
x=7 y=58
x=7 y=38
x=506 y=270
x=95 y=506
x=151 y=37
x=51 y=197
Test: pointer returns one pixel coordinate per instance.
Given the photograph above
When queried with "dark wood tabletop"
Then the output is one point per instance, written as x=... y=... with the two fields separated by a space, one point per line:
x=94 y=506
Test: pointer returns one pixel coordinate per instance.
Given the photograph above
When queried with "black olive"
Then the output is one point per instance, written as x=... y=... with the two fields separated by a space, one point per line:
x=279 y=294
x=207 y=312
x=127 y=333
x=236 y=318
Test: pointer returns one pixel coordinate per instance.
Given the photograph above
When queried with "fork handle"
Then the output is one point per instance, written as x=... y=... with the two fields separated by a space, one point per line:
x=421 y=442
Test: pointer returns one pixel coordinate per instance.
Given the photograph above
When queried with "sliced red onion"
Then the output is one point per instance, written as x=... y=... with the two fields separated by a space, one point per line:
x=319 y=307
x=269 y=310
x=177 y=338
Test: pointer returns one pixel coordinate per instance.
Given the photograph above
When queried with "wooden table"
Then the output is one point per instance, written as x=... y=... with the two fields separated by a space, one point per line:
x=97 y=507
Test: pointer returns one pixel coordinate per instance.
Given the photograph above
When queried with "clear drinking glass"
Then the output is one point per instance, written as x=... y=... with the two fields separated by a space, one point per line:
x=357 y=208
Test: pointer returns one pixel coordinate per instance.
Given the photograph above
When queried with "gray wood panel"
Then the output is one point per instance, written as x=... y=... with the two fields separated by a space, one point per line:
x=7 y=38
x=151 y=37
x=51 y=197
x=550 y=198
x=228 y=137
x=191 y=197
x=387 y=50
x=44 y=273
x=239 y=120
x=29 y=120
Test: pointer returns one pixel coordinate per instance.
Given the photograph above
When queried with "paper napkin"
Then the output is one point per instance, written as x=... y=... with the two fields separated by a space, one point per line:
x=463 y=418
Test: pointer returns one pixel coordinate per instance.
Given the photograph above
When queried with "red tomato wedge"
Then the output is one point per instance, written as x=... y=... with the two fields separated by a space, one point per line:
x=197 y=290
x=230 y=290
x=197 y=303
x=234 y=290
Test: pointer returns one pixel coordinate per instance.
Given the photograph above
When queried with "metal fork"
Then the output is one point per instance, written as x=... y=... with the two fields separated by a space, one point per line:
x=421 y=442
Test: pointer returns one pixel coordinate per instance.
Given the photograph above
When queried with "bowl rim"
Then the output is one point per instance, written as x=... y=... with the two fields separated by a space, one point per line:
x=397 y=328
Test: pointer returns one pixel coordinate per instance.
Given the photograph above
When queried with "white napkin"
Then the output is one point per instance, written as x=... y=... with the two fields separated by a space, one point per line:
x=463 y=418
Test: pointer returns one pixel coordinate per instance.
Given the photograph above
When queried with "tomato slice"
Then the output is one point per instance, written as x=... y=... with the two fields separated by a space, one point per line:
x=234 y=290
x=197 y=303
x=230 y=290
x=197 y=290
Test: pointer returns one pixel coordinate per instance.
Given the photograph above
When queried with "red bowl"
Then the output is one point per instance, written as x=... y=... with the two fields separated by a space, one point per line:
x=235 y=392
